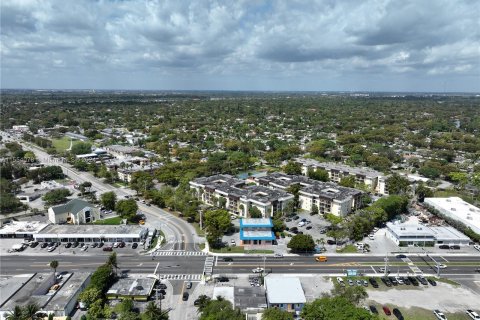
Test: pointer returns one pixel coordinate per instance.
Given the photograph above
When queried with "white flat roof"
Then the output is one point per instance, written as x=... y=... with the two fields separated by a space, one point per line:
x=228 y=293
x=284 y=290
x=457 y=209
x=23 y=227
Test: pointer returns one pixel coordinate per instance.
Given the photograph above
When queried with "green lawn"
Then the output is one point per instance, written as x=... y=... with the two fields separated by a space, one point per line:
x=348 y=249
x=62 y=144
x=110 y=221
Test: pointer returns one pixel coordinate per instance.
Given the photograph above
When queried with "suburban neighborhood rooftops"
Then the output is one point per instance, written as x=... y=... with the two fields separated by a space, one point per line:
x=218 y=180
x=72 y=206
x=339 y=167
x=284 y=290
x=121 y=149
x=256 y=223
x=283 y=180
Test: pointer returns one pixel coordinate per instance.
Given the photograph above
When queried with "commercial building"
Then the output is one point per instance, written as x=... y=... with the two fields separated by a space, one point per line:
x=328 y=197
x=92 y=233
x=22 y=229
x=457 y=209
x=76 y=211
x=57 y=297
x=285 y=293
x=336 y=171
x=415 y=234
x=256 y=231
x=121 y=152
x=135 y=288
x=237 y=197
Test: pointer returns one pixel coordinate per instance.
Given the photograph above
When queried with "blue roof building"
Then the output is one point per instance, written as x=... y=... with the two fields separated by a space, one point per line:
x=256 y=231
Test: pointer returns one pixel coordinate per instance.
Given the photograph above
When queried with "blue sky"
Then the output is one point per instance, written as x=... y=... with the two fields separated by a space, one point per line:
x=241 y=45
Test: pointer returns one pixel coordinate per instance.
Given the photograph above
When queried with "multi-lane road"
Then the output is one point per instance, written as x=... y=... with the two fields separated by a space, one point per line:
x=194 y=264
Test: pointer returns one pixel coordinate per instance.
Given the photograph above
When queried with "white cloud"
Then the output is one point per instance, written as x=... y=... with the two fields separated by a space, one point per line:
x=297 y=41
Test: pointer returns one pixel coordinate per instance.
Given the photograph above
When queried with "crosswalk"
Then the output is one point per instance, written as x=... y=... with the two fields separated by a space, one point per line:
x=412 y=266
x=178 y=253
x=189 y=277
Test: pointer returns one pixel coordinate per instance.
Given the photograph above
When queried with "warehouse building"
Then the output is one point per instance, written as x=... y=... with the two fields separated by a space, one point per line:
x=457 y=209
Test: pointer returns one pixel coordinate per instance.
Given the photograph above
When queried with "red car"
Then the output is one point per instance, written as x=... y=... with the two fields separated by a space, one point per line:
x=387 y=311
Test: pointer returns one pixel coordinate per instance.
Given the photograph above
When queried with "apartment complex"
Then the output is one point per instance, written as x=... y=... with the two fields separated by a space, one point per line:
x=237 y=197
x=373 y=179
x=327 y=196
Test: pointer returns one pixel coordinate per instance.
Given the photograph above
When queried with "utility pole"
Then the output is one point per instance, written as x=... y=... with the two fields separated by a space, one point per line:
x=386 y=263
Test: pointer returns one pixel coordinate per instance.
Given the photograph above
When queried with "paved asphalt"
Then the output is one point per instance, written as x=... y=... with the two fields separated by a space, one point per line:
x=18 y=264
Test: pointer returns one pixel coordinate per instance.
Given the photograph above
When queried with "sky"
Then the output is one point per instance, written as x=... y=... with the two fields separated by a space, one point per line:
x=325 y=45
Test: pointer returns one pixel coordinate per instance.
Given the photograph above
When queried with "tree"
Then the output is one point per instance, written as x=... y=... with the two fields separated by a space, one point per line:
x=254 y=212
x=301 y=243
x=15 y=314
x=318 y=174
x=152 y=312
x=202 y=302
x=141 y=181
x=90 y=295
x=393 y=205
x=29 y=156
x=54 y=266
x=56 y=196
x=397 y=184
x=276 y=314
x=293 y=168
x=217 y=222
x=348 y=181
x=108 y=200
x=85 y=187
x=353 y=294
x=127 y=208
x=220 y=310
x=423 y=192
x=338 y=308
x=429 y=172
x=459 y=177
x=314 y=209
x=30 y=311
x=320 y=147
x=112 y=261
x=295 y=189
x=81 y=148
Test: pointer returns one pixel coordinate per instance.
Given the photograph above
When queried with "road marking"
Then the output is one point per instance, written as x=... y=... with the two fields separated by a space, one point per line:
x=444 y=259
x=373 y=269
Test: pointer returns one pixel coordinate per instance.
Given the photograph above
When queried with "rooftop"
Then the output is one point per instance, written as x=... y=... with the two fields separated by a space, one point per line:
x=132 y=287
x=226 y=292
x=256 y=235
x=330 y=190
x=72 y=206
x=458 y=209
x=218 y=180
x=29 y=227
x=284 y=290
x=439 y=233
x=256 y=222
x=250 y=298
x=367 y=172
x=95 y=230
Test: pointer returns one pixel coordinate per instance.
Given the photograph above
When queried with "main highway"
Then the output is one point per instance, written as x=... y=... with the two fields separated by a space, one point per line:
x=180 y=234
x=19 y=263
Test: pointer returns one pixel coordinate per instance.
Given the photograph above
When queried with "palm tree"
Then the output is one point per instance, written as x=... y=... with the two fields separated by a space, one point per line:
x=16 y=314
x=30 y=310
x=152 y=312
x=54 y=266
x=112 y=261
x=203 y=300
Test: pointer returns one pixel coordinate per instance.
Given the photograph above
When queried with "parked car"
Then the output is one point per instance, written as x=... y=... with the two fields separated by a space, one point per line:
x=296 y=217
x=432 y=282
x=68 y=245
x=223 y=279
x=85 y=247
x=373 y=309
x=121 y=245
x=33 y=244
x=162 y=286
x=278 y=255
x=393 y=281
x=304 y=220
x=309 y=227
x=413 y=281
x=116 y=244
x=44 y=245
x=189 y=285
x=109 y=248
x=232 y=242
x=227 y=259
x=444 y=246
x=406 y=281
x=422 y=280
x=95 y=244
x=399 y=280
x=50 y=249
x=472 y=314
x=476 y=246
x=365 y=283
x=185 y=296
x=294 y=230
x=100 y=244
x=387 y=310
x=331 y=242
x=301 y=224
x=371 y=237
x=350 y=282
x=397 y=314
x=455 y=247
x=386 y=281
x=134 y=245
x=440 y=315
x=75 y=244
x=373 y=282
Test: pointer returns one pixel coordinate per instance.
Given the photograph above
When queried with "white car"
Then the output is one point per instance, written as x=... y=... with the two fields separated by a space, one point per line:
x=339 y=280
x=371 y=237
x=85 y=247
x=472 y=314
x=278 y=255
x=115 y=245
x=50 y=249
x=476 y=246
x=441 y=266
x=399 y=280
x=439 y=315
x=257 y=270
x=301 y=224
